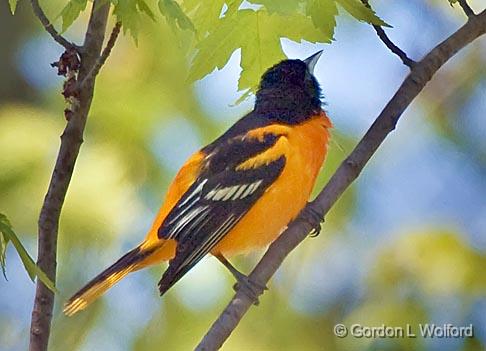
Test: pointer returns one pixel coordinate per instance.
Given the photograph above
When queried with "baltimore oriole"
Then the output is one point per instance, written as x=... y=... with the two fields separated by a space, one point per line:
x=239 y=192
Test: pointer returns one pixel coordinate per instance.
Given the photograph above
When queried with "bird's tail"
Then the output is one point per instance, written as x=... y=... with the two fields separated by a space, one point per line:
x=131 y=261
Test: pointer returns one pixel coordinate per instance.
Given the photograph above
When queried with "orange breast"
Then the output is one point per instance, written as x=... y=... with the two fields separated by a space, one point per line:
x=305 y=148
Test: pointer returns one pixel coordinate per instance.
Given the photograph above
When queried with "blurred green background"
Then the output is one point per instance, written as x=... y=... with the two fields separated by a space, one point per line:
x=405 y=245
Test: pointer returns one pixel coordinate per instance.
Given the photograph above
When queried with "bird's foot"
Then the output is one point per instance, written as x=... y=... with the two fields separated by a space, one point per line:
x=314 y=219
x=249 y=287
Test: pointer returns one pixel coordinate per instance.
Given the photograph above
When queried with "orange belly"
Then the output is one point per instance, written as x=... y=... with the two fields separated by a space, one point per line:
x=284 y=199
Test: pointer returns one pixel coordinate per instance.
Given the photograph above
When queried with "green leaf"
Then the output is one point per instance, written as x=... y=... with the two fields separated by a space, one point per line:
x=13 y=5
x=206 y=15
x=299 y=28
x=262 y=48
x=71 y=11
x=174 y=15
x=4 y=239
x=3 y=251
x=215 y=50
x=143 y=7
x=284 y=7
x=233 y=6
x=129 y=13
x=32 y=269
x=258 y=34
x=362 y=13
x=323 y=14
x=126 y=11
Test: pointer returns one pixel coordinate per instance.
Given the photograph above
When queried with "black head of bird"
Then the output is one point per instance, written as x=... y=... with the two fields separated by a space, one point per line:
x=289 y=92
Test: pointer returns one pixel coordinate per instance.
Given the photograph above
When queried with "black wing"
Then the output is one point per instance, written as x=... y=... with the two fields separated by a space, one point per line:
x=216 y=201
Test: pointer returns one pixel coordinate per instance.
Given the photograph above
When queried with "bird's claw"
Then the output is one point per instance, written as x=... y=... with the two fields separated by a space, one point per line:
x=314 y=219
x=250 y=288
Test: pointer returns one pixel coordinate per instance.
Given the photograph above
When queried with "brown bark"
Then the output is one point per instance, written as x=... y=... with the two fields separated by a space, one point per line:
x=71 y=140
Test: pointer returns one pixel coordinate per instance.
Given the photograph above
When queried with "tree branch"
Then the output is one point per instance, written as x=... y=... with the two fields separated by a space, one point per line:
x=71 y=140
x=466 y=8
x=104 y=56
x=347 y=172
x=49 y=27
x=389 y=44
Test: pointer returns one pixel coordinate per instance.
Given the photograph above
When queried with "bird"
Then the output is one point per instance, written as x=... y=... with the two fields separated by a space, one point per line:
x=240 y=192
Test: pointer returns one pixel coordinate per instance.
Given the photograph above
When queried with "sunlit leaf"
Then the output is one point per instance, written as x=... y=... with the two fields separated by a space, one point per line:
x=233 y=6
x=143 y=7
x=258 y=34
x=298 y=28
x=260 y=48
x=13 y=5
x=323 y=14
x=215 y=50
x=127 y=13
x=286 y=7
x=174 y=14
x=71 y=11
x=362 y=13
x=205 y=15
x=32 y=269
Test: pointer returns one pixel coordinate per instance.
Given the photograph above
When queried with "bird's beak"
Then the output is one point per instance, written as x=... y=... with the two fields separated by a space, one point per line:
x=312 y=60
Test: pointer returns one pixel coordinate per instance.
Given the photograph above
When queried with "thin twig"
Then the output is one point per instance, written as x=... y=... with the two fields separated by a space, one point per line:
x=50 y=28
x=389 y=44
x=104 y=56
x=393 y=48
x=466 y=8
x=71 y=140
x=347 y=172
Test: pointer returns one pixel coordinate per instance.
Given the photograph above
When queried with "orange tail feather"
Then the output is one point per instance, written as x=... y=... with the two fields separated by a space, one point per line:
x=131 y=261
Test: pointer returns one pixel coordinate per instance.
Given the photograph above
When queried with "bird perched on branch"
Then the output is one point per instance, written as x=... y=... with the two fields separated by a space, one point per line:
x=239 y=192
